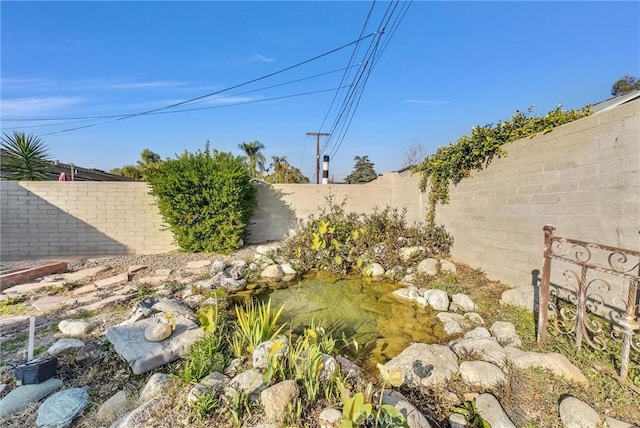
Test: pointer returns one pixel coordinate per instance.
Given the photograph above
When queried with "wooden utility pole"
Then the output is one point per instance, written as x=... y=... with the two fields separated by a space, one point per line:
x=318 y=134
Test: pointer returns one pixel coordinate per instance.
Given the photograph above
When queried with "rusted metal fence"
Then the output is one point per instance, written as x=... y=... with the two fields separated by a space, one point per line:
x=600 y=277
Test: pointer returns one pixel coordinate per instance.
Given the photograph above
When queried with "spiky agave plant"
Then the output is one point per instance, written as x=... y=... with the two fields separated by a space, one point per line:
x=26 y=157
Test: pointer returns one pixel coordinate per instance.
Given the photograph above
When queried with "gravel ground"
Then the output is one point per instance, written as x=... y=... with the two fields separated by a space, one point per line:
x=174 y=260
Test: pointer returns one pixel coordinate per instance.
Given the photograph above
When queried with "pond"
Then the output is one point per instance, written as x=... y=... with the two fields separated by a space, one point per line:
x=362 y=309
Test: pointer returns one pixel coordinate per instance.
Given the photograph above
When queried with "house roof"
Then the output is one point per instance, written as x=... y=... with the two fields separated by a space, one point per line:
x=80 y=173
x=615 y=101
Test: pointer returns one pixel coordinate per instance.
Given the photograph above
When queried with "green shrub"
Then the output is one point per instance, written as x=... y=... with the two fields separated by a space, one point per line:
x=342 y=242
x=205 y=198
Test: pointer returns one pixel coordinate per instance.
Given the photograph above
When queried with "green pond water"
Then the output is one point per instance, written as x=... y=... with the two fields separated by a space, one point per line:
x=364 y=310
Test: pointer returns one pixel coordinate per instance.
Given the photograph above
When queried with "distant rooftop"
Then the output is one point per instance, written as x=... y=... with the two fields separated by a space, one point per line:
x=79 y=173
x=615 y=101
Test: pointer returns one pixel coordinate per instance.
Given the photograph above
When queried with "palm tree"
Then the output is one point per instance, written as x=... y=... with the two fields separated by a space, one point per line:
x=255 y=159
x=284 y=172
x=27 y=157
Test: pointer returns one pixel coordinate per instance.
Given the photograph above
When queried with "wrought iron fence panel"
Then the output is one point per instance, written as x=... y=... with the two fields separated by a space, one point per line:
x=593 y=271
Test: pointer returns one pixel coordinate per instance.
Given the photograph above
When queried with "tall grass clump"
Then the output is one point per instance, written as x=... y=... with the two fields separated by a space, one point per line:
x=256 y=323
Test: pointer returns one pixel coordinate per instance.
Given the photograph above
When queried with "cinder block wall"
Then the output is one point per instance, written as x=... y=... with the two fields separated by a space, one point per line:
x=583 y=178
x=50 y=218
x=280 y=205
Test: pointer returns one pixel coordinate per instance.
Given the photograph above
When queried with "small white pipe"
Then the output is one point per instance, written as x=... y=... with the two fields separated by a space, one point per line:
x=32 y=331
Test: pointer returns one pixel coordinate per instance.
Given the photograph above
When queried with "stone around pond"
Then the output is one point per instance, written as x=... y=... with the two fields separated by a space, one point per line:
x=428 y=267
x=483 y=348
x=463 y=302
x=482 y=374
x=437 y=299
x=129 y=342
x=414 y=363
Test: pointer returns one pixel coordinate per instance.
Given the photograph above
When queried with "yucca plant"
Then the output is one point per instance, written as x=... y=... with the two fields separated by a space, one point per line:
x=26 y=157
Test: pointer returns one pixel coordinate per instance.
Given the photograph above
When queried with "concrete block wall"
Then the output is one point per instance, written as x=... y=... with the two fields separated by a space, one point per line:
x=583 y=177
x=79 y=218
x=281 y=205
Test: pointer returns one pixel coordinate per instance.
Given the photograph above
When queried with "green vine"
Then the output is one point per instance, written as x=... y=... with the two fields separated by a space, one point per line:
x=453 y=163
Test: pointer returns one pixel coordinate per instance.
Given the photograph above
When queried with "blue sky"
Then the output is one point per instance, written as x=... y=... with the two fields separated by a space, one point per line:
x=445 y=67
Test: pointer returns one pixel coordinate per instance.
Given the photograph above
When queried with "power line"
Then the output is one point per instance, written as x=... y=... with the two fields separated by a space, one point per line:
x=209 y=108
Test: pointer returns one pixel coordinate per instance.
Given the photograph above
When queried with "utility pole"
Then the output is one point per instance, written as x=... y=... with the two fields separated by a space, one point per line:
x=318 y=134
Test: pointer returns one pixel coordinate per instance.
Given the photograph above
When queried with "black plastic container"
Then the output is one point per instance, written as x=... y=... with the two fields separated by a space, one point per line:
x=36 y=371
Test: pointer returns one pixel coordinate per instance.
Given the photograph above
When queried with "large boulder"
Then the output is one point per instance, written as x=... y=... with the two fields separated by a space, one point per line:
x=557 y=363
x=424 y=365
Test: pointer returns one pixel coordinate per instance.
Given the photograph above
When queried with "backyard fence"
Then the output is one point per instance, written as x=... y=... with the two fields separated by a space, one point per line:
x=593 y=272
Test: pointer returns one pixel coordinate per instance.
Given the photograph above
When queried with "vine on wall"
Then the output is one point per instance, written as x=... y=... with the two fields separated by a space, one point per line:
x=451 y=164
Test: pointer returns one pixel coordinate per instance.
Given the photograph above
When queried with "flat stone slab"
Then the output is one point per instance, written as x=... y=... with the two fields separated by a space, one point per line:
x=31 y=287
x=49 y=302
x=113 y=281
x=84 y=273
x=102 y=303
x=142 y=355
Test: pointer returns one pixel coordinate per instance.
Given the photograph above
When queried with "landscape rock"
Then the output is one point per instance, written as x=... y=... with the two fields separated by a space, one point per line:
x=198 y=265
x=172 y=306
x=463 y=302
x=474 y=318
x=275 y=399
x=374 y=270
x=89 y=353
x=249 y=382
x=214 y=383
x=114 y=407
x=414 y=418
x=424 y=365
x=154 y=386
x=157 y=332
x=65 y=346
x=409 y=294
x=486 y=349
x=129 y=342
x=452 y=327
x=329 y=366
x=348 y=368
x=26 y=394
x=505 y=333
x=482 y=374
x=448 y=267
x=272 y=273
x=616 y=423
x=330 y=417
x=139 y=416
x=490 y=410
x=260 y=356
x=76 y=327
x=457 y=420
x=287 y=269
x=522 y=297
x=437 y=299
x=478 y=332
x=428 y=266
x=112 y=281
x=557 y=363
x=217 y=266
x=577 y=414
x=80 y=275
x=445 y=317
x=60 y=409
x=136 y=268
